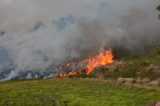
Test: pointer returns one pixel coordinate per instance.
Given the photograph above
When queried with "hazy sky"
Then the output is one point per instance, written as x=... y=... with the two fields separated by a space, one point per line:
x=14 y=13
x=17 y=13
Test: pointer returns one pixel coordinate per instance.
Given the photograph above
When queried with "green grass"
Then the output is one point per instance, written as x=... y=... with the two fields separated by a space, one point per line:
x=73 y=92
x=135 y=67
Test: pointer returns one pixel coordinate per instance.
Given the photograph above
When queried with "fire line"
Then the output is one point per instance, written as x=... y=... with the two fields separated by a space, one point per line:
x=102 y=58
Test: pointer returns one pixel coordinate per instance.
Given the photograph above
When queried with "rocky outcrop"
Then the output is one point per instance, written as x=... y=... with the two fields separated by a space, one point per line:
x=125 y=80
x=154 y=83
x=158 y=103
x=145 y=80
x=139 y=81
x=154 y=104
x=153 y=68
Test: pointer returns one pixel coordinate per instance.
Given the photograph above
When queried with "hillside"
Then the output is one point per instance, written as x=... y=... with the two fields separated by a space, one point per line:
x=142 y=69
x=130 y=81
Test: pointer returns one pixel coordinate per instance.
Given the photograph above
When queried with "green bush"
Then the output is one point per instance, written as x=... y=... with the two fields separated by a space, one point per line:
x=149 y=74
x=158 y=49
x=82 y=75
x=129 y=71
x=91 y=76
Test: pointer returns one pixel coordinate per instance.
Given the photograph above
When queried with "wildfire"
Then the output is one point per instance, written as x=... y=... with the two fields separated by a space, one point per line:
x=62 y=74
x=102 y=58
x=72 y=73
x=99 y=60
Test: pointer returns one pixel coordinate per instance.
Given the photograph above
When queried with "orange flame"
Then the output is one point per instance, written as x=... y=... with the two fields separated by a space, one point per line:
x=103 y=58
x=72 y=73
x=62 y=74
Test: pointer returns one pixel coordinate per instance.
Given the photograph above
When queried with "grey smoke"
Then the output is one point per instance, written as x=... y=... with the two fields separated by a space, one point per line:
x=37 y=34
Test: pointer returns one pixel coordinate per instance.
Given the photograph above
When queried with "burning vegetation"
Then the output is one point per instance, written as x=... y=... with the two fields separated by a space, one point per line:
x=87 y=66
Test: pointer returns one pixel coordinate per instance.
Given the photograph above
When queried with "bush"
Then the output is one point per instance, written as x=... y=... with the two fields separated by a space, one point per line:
x=82 y=75
x=91 y=76
x=158 y=49
x=149 y=74
x=125 y=72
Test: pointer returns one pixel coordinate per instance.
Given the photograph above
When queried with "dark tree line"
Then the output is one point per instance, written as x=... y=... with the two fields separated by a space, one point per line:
x=158 y=8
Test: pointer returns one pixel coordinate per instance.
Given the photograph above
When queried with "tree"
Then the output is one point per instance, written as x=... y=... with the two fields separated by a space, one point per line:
x=38 y=25
x=158 y=8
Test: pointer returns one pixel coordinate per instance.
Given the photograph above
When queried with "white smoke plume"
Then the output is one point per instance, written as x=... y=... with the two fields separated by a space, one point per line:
x=38 y=33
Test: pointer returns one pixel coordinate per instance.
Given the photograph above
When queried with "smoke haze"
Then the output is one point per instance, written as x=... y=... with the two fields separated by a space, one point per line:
x=38 y=33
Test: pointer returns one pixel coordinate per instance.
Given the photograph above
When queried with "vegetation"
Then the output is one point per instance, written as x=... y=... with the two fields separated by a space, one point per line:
x=77 y=91
x=82 y=75
x=158 y=49
x=74 y=92
x=158 y=8
x=135 y=65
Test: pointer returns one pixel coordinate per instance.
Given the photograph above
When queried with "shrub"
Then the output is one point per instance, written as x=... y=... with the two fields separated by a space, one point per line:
x=149 y=74
x=158 y=49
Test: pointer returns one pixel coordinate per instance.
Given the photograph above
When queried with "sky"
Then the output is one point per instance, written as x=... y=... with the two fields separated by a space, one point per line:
x=23 y=13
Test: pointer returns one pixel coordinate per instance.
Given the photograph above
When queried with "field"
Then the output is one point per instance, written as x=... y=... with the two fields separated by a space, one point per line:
x=73 y=92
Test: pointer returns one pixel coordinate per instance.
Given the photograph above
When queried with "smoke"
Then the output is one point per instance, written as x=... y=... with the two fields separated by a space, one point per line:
x=37 y=34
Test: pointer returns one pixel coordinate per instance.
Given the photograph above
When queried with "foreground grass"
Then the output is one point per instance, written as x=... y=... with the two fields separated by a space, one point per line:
x=73 y=92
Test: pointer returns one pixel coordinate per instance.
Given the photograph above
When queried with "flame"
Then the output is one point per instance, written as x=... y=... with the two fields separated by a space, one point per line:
x=102 y=58
x=72 y=73
x=99 y=60
x=62 y=74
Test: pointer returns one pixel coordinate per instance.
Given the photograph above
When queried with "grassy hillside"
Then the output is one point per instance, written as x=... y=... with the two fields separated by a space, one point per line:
x=82 y=92
x=135 y=67
x=73 y=92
